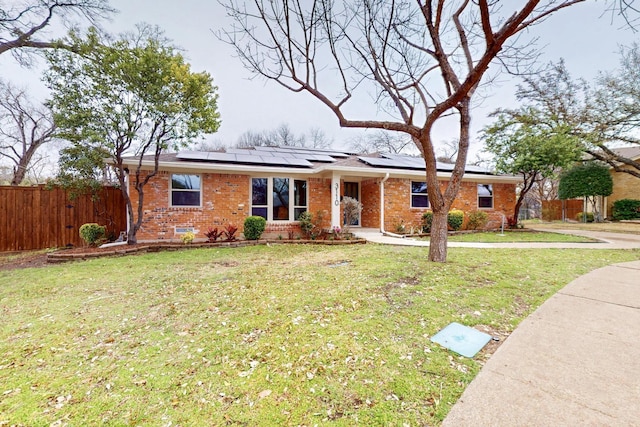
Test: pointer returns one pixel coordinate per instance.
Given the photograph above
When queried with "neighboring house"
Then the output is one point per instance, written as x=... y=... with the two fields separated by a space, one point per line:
x=197 y=190
x=625 y=186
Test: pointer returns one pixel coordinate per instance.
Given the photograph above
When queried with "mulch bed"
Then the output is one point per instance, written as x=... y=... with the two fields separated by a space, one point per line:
x=65 y=255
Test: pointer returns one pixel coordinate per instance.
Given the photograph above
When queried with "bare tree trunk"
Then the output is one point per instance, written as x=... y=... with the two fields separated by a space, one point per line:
x=439 y=234
x=19 y=172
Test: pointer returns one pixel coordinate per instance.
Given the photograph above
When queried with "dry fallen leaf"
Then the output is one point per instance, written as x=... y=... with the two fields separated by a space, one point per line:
x=264 y=393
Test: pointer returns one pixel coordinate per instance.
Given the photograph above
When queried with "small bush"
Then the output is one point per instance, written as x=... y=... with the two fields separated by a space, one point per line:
x=230 y=233
x=351 y=209
x=311 y=225
x=213 y=234
x=512 y=222
x=188 y=237
x=427 y=219
x=92 y=233
x=254 y=227
x=550 y=213
x=626 y=209
x=477 y=220
x=306 y=223
x=455 y=218
x=580 y=217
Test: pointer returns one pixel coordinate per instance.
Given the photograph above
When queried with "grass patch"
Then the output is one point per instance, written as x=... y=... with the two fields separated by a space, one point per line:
x=283 y=335
x=518 y=237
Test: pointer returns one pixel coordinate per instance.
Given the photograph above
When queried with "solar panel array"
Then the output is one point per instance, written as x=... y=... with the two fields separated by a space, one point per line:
x=303 y=158
x=399 y=161
x=269 y=156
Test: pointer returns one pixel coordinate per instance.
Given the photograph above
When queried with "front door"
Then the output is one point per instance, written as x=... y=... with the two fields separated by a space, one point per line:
x=352 y=189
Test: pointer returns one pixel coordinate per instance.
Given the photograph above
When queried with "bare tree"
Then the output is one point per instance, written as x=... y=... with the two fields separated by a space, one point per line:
x=252 y=139
x=317 y=138
x=283 y=136
x=424 y=60
x=22 y=23
x=448 y=152
x=382 y=141
x=24 y=129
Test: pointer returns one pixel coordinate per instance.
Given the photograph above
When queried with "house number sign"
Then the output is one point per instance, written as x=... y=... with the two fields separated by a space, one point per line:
x=337 y=202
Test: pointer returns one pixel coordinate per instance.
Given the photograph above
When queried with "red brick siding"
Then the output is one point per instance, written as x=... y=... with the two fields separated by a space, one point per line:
x=370 y=195
x=226 y=200
x=320 y=198
x=398 y=210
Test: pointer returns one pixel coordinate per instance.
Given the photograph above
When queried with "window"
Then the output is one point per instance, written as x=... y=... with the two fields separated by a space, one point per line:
x=259 y=197
x=185 y=190
x=419 y=197
x=271 y=198
x=299 y=198
x=280 y=199
x=485 y=196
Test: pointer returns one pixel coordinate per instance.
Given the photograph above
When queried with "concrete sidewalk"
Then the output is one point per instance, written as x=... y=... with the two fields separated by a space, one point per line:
x=574 y=362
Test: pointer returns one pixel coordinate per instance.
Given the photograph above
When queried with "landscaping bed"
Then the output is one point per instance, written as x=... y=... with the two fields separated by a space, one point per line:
x=87 y=252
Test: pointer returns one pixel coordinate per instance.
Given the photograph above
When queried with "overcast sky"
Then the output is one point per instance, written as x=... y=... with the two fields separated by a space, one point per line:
x=584 y=35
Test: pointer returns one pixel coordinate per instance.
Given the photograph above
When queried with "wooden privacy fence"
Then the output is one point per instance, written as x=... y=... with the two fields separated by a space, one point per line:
x=39 y=218
x=552 y=209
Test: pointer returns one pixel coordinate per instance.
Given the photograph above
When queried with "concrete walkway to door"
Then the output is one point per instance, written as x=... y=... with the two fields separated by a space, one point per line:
x=605 y=241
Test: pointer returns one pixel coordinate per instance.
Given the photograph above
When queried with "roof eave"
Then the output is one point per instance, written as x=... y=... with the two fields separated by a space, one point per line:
x=345 y=170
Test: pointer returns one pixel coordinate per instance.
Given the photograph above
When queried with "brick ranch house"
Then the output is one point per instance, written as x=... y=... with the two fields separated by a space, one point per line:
x=194 y=191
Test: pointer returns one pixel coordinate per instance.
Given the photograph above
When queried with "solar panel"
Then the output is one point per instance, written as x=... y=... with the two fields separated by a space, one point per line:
x=390 y=163
x=192 y=155
x=221 y=157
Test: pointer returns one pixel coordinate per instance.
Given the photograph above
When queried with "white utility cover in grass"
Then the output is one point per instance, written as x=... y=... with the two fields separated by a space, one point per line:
x=462 y=339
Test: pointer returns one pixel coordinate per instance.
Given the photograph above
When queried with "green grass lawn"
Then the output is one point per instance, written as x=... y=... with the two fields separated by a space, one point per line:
x=518 y=237
x=281 y=335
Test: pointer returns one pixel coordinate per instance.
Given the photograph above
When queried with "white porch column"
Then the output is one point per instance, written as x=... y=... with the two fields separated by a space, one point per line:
x=336 y=221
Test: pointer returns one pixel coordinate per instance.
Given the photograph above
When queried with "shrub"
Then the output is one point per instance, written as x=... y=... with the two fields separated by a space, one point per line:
x=626 y=209
x=352 y=209
x=188 y=237
x=512 y=222
x=455 y=218
x=311 y=225
x=254 y=227
x=550 y=213
x=580 y=217
x=213 y=234
x=427 y=219
x=92 y=233
x=306 y=224
x=477 y=220
x=230 y=232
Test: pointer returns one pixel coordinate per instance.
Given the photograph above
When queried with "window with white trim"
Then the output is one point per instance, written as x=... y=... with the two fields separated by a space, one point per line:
x=271 y=198
x=419 y=197
x=485 y=196
x=185 y=190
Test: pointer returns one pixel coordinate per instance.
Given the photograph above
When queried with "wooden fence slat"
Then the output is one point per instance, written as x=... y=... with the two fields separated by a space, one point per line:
x=38 y=218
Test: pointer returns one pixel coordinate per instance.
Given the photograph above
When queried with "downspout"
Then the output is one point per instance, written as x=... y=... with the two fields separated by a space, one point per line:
x=382 y=230
x=386 y=177
x=126 y=183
